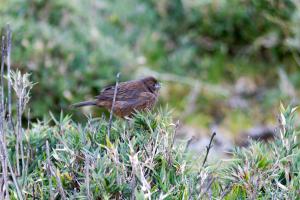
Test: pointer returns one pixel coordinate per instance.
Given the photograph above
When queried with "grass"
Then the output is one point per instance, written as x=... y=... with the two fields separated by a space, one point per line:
x=140 y=160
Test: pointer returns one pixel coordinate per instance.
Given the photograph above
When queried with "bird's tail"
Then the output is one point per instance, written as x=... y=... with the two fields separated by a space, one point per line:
x=84 y=103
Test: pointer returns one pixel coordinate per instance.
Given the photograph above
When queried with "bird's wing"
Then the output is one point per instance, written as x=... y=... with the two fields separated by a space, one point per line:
x=145 y=100
x=126 y=91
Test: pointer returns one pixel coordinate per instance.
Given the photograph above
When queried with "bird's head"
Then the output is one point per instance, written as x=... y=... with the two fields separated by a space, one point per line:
x=151 y=83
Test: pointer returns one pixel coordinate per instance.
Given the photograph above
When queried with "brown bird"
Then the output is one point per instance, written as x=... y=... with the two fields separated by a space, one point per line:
x=136 y=95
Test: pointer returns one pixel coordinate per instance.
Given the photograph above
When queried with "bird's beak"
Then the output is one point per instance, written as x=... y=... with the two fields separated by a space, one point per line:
x=157 y=86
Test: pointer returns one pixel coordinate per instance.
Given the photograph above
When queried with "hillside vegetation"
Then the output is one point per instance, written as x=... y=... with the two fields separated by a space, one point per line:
x=63 y=159
x=73 y=49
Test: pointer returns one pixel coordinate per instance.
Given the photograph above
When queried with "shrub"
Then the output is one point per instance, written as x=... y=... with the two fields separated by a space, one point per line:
x=64 y=159
x=267 y=170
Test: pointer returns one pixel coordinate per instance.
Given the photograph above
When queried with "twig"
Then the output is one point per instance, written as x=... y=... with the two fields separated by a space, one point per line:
x=33 y=191
x=174 y=134
x=20 y=130
x=2 y=78
x=3 y=143
x=1 y=186
x=226 y=191
x=133 y=186
x=28 y=119
x=11 y=171
x=49 y=170
x=27 y=163
x=58 y=181
x=188 y=144
x=207 y=188
x=28 y=148
x=4 y=172
x=169 y=150
x=208 y=148
x=8 y=53
x=113 y=105
x=87 y=175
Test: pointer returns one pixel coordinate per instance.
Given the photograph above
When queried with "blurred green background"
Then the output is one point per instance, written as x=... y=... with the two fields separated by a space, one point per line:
x=222 y=62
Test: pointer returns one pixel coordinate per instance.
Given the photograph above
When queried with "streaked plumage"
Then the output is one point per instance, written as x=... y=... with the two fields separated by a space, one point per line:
x=131 y=95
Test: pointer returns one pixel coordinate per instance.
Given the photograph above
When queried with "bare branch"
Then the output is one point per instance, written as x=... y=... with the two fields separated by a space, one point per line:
x=208 y=148
x=113 y=105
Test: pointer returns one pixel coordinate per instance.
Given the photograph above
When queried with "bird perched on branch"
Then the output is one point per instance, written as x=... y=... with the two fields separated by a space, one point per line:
x=131 y=96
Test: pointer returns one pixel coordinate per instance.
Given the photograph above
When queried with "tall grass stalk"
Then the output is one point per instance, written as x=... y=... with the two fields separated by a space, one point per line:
x=22 y=87
x=3 y=140
x=8 y=55
x=49 y=174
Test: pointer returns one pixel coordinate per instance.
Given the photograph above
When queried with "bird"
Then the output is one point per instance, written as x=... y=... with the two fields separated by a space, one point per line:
x=131 y=96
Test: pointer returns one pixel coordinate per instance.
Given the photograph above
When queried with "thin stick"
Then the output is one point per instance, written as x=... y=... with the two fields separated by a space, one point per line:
x=174 y=134
x=28 y=119
x=87 y=175
x=12 y=171
x=59 y=183
x=133 y=184
x=49 y=170
x=3 y=157
x=189 y=142
x=2 y=79
x=208 y=148
x=33 y=191
x=207 y=188
x=20 y=130
x=226 y=191
x=28 y=149
x=25 y=173
x=169 y=150
x=8 y=53
x=58 y=180
x=4 y=172
x=113 y=105
x=1 y=186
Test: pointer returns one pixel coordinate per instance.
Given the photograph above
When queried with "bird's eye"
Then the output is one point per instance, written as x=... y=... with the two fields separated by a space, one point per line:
x=156 y=85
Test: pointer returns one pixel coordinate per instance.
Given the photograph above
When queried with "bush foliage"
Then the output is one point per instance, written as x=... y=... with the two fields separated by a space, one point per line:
x=141 y=160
